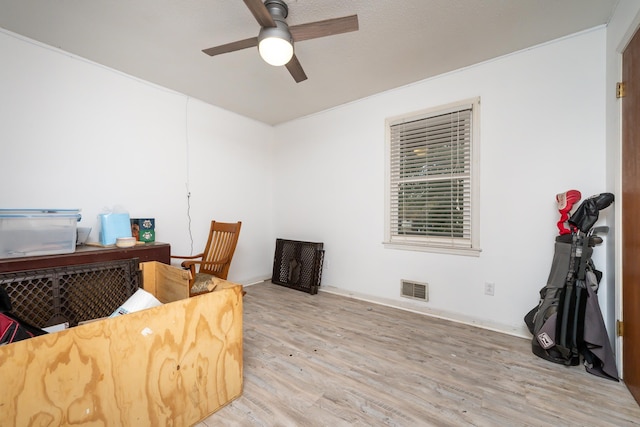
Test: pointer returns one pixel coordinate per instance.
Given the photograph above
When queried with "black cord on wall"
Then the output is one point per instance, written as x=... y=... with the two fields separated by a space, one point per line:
x=189 y=220
x=186 y=137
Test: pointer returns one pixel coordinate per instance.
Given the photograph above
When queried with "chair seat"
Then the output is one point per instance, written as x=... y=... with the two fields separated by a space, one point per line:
x=202 y=281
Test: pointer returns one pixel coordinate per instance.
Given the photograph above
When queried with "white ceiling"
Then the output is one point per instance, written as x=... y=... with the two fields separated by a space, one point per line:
x=399 y=42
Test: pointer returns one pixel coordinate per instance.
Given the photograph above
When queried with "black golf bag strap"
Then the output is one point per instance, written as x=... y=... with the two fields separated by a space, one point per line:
x=572 y=258
x=582 y=270
x=564 y=343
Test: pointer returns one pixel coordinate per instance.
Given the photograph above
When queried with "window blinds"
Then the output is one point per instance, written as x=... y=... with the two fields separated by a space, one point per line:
x=430 y=178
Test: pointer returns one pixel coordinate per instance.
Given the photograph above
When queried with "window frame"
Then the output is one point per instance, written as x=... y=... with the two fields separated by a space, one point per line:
x=468 y=246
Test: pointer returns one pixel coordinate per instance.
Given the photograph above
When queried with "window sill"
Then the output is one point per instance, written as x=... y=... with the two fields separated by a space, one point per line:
x=434 y=249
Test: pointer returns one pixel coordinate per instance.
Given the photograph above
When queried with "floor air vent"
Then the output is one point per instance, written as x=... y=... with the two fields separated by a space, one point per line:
x=415 y=290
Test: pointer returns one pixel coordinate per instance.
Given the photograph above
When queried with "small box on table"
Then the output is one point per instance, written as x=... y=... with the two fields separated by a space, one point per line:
x=144 y=229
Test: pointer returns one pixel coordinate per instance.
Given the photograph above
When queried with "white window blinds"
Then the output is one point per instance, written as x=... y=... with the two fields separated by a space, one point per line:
x=430 y=179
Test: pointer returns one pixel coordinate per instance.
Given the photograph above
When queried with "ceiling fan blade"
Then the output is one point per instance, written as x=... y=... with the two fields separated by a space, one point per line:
x=231 y=47
x=324 y=28
x=295 y=69
x=260 y=12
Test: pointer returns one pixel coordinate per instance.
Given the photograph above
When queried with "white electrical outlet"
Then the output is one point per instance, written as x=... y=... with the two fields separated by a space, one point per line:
x=489 y=288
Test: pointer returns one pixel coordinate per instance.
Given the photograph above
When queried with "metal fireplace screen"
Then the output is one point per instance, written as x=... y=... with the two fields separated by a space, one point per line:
x=71 y=294
x=298 y=265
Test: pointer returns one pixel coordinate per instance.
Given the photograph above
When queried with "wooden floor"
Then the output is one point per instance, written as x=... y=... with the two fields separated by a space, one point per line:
x=328 y=360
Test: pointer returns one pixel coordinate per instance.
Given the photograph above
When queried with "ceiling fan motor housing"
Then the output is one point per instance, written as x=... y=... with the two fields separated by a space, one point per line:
x=279 y=11
x=281 y=31
x=277 y=8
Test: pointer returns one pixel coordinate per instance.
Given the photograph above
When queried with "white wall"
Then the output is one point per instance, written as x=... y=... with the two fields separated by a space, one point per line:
x=542 y=133
x=74 y=134
x=67 y=125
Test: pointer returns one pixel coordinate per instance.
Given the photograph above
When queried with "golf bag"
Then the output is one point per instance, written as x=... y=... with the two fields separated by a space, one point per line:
x=567 y=323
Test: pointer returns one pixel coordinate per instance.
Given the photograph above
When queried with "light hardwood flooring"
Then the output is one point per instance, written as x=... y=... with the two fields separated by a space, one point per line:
x=329 y=360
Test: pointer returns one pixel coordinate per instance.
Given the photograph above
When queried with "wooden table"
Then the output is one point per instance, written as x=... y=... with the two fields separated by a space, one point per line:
x=160 y=252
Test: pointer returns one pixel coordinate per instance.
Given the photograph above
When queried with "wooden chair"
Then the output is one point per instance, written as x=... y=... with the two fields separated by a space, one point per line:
x=216 y=258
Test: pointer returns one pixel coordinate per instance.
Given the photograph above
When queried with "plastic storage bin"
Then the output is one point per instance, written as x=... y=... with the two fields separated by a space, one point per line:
x=30 y=232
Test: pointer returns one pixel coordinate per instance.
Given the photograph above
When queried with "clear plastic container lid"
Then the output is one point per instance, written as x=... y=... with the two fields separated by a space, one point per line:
x=40 y=213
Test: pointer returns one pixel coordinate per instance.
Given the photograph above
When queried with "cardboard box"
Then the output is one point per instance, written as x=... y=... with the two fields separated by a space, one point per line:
x=147 y=236
x=144 y=229
x=175 y=364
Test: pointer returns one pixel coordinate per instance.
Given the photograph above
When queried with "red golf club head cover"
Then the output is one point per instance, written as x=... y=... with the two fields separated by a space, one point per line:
x=565 y=202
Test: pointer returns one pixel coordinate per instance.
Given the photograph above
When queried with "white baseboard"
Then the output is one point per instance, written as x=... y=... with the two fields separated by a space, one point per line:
x=254 y=281
x=518 y=331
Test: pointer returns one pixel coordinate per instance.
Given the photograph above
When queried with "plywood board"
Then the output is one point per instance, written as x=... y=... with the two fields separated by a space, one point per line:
x=170 y=365
x=165 y=282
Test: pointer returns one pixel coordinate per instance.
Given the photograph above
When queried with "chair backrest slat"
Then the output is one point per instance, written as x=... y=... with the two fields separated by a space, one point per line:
x=223 y=238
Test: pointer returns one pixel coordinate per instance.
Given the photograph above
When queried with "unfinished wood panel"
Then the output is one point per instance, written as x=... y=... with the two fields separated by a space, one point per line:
x=165 y=282
x=169 y=365
x=328 y=360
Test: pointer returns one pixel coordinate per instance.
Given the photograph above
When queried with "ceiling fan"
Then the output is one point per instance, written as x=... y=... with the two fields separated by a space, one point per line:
x=276 y=38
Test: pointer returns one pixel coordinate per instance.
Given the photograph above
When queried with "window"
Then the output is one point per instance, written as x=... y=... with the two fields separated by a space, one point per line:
x=431 y=199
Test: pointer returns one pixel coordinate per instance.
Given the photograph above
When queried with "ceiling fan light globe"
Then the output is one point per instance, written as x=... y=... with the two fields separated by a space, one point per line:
x=275 y=51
